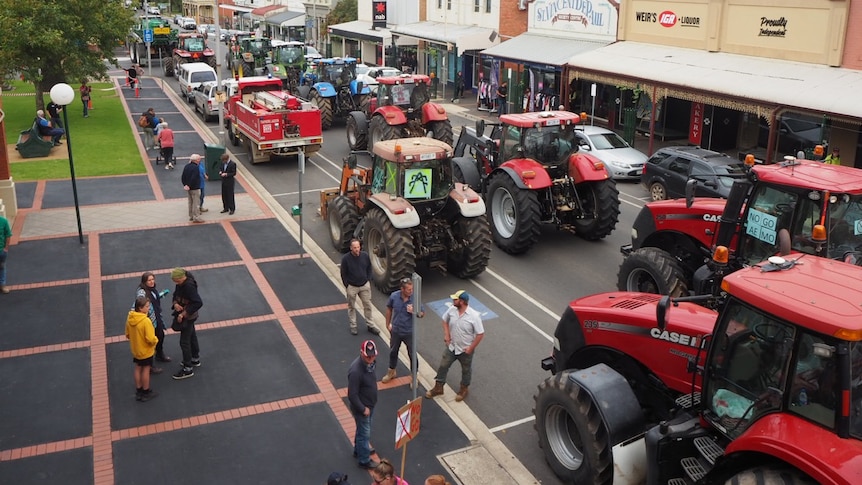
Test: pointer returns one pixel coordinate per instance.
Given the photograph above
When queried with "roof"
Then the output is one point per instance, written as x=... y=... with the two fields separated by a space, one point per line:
x=285 y=19
x=464 y=37
x=755 y=84
x=814 y=294
x=403 y=79
x=412 y=149
x=813 y=175
x=360 y=29
x=543 y=118
x=539 y=49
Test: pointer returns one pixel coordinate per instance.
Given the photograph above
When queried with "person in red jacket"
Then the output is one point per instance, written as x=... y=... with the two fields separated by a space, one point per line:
x=166 y=141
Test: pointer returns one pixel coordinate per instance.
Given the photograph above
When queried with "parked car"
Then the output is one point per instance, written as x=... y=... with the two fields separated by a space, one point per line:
x=204 y=97
x=311 y=53
x=666 y=173
x=188 y=23
x=369 y=78
x=178 y=19
x=153 y=10
x=795 y=132
x=191 y=75
x=622 y=161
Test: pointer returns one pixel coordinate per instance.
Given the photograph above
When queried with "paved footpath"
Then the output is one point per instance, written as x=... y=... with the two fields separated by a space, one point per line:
x=268 y=404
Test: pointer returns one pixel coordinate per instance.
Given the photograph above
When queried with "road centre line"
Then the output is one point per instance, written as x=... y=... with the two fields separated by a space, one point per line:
x=514 y=312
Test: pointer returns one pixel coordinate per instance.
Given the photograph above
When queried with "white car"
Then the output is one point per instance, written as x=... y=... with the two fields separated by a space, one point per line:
x=622 y=161
x=178 y=18
x=188 y=23
x=369 y=78
x=153 y=10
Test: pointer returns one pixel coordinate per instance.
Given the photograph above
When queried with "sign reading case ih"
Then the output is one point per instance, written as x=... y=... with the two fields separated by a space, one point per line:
x=667 y=18
x=378 y=12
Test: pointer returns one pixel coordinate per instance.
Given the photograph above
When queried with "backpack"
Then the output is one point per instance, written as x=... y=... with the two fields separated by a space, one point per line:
x=143 y=122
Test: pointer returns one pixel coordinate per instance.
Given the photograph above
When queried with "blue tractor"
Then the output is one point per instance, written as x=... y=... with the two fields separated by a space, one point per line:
x=331 y=85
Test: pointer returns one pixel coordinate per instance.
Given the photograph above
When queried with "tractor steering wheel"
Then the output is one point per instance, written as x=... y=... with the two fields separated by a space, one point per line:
x=771 y=332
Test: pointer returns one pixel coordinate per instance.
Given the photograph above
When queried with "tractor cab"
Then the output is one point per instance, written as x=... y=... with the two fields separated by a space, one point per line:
x=416 y=169
x=547 y=137
x=407 y=91
x=255 y=47
x=337 y=71
x=193 y=43
x=290 y=54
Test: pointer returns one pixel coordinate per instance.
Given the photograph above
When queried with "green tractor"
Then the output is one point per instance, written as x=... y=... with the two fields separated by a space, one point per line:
x=249 y=55
x=164 y=42
x=288 y=63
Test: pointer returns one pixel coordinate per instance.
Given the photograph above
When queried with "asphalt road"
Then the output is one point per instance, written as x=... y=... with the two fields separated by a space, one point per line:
x=522 y=295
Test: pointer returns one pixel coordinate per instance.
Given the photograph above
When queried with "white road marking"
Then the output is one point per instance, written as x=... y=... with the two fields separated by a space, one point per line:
x=513 y=311
x=512 y=424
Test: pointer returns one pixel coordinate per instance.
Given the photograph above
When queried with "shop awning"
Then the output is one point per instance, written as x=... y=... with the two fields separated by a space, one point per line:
x=542 y=50
x=287 y=19
x=360 y=29
x=752 y=84
x=464 y=37
x=235 y=8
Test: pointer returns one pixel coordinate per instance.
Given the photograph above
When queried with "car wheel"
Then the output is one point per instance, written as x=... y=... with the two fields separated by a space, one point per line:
x=657 y=191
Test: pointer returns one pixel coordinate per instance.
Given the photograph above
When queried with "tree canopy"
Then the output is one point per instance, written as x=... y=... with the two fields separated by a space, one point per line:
x=52 y=41
x=345 y=11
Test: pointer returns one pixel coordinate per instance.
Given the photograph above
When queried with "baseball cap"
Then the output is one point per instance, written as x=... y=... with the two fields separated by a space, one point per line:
x=368 y=348
x=460 y=295
x=336 y=478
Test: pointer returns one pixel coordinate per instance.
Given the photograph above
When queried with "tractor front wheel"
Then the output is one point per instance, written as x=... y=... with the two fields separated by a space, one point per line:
x=343 y=218
x=441 y=130
x=473 y=257
x=770 y=476
x=600 y=202
x=652 y=270
x=356 y=140
x=325 y=107
x=514 y=213
x=390 y=250
x=380 y=130
x=571 y=432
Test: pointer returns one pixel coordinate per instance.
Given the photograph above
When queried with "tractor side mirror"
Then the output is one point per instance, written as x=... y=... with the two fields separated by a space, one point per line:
x=351 y=161
x=359 y=86
x=480 y=127
x=689 y=192
x=661 y=311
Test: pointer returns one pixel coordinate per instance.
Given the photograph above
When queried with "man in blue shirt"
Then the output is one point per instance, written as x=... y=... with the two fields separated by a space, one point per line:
x=399 y=322
x=45 y=128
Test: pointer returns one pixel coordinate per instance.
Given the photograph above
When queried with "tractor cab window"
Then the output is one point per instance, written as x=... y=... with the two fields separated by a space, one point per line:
x=512 y=143
x=845 y=228
x=288 y=54
x=770 y=211
x=856 y=390
x=256 y=46
x=426 y=179
x=750 y=356
x=419 y=95
x=195 y=44
x=813 y=386
x=332 y=73
x=385 y=178
x=549 y=145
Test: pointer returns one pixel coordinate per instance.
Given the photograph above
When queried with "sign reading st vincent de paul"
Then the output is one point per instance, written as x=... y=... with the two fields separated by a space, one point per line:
x=596 y=18
x=378 y=14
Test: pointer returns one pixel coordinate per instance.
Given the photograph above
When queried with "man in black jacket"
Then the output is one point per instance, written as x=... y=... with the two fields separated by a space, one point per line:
x=228 y=179
x=362 y=396
x=186 y=304
x=191 y=180
x=356 y=277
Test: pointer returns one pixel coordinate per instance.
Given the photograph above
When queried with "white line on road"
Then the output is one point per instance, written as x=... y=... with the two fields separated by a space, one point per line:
x=512 y=310
x=512 y=424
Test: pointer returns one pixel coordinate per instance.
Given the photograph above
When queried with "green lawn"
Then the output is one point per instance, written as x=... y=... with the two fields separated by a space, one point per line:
x=102 y=144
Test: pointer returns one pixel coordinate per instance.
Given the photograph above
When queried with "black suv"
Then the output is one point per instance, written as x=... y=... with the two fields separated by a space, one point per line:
x=669 y=169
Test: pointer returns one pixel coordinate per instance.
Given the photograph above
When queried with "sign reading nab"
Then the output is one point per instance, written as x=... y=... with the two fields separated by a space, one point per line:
x=378 y=12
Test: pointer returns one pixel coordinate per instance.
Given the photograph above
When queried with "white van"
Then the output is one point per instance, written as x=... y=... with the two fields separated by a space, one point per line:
x=191 y=74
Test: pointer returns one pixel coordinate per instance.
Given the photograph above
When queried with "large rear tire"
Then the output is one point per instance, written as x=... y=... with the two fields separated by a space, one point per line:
x=473 y=258
x=442 y=130
x=390 y=250
x=769 y=476
x=343 y=219
x=514 y=214
x=379 y=130
x=571 y=432
x=652 y=270
x=169 y=67
x=212 y=62
x=325 y=107
x=601 y=204
x=356 y=140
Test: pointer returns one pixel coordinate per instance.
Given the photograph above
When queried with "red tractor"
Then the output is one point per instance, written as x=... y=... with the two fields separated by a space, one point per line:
x=192 y=47
x=531 y=172
x=771 y=211
x=401 y=108
x=767 y=390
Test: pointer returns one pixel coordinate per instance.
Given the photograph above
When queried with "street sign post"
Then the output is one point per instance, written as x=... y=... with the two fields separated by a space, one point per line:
x=148 y=36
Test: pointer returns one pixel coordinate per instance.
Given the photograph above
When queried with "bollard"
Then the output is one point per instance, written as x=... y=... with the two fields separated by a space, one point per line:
x=137 y=91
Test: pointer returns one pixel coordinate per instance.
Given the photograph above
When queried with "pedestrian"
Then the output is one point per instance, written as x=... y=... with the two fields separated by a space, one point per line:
x=166 y=142
x=142 y=340
x=149 y=127
x=459 y=87
x=132 y=76
x=436 y=480
x=834 y=158
x=186 y=304
x=45 y=128
x=85 y=91
x=399 y=322
x=228 y=180
x=148 y=288
x=384 y=474
x=362 y=397
x=356 y=277
x=191 y=180
x=5 y=238
x=462 y=332
x=54 y=112
x=204 y=177
x=502 y=93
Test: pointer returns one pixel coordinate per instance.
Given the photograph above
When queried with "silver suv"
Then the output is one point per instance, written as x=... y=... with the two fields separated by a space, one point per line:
x=204 y=97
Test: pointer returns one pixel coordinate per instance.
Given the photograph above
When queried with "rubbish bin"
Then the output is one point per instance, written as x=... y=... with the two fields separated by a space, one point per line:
x=212 y=160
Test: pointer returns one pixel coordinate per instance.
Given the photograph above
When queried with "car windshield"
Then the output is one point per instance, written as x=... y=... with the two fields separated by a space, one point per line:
x=312 y=51
x=726 y=174
x=549 y=145
x=361 y=69
x=608 y=141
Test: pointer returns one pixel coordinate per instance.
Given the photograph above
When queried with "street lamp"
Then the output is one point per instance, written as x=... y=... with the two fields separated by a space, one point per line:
x=62 y=94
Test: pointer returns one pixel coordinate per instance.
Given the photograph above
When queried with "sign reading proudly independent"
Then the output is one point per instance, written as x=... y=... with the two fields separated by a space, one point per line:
x=378 y=13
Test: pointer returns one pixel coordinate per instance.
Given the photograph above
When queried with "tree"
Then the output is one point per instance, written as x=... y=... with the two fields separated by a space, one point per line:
x=345 y=11
x=51 y=41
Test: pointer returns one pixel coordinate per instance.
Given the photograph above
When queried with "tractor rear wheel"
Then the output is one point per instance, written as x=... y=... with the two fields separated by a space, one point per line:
x=247 y=69
x=390 y=250
x=355 y=139
x=441 y=130
x=212 y=62
x=769 y=476
x=365 y=104
x=380 y=130
x=169 y=66
x=514 y=214
x=325 y=107
x=652 y=270
x=473 y=258
x=343 y=219
x=601 y=204
x=571 y=432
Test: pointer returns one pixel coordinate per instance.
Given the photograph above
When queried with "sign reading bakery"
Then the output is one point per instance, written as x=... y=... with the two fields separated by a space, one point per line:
x=666 y=23
x=587 y=19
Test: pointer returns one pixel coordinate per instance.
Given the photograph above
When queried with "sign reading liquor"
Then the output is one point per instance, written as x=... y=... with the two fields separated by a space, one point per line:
x=597 y=19
x=378 y=14
x=679 y=21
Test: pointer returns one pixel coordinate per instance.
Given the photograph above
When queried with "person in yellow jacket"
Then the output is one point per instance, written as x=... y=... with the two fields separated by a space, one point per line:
x=834 y=158
x=142 y=340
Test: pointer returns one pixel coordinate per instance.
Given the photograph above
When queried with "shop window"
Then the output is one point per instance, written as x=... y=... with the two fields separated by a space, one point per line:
x=476 y=5
x=439 y=4
x=487 y=6
x=448 y=4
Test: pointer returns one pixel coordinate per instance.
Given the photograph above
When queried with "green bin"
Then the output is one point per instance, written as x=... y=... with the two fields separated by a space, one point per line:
x=213 y=160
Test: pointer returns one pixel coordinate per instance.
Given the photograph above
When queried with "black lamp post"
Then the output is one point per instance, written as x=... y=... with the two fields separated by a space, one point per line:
x=62 y=94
